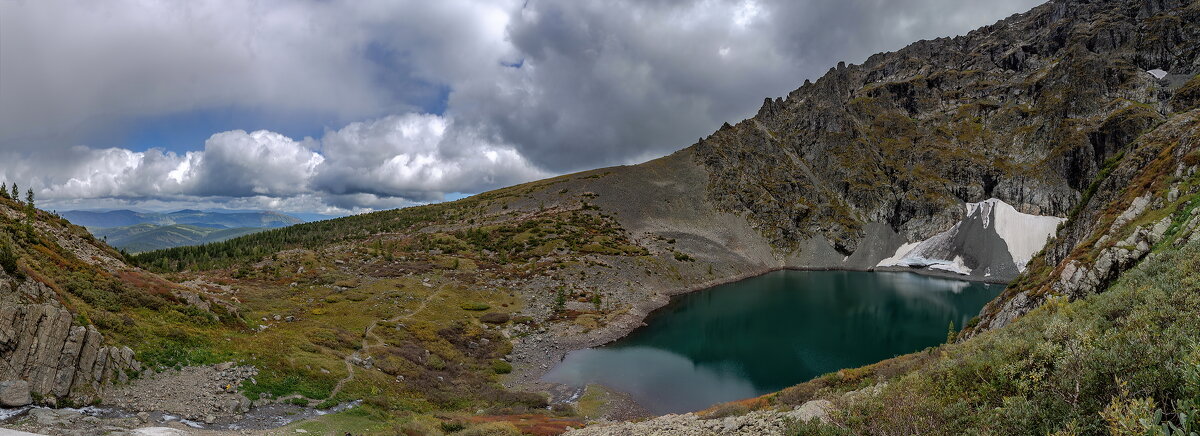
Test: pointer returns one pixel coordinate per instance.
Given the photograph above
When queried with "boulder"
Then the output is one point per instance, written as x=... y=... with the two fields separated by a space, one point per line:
x=14 y=393
x=54 y=417
x=815 y=409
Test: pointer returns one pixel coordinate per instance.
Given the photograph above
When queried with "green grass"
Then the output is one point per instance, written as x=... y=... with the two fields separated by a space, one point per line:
x=357 y=421
x=501 y=367
x=278 y=384
x=174 y=352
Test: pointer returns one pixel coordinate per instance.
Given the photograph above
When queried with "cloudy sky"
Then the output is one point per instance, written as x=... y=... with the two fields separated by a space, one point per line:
x=341 y=106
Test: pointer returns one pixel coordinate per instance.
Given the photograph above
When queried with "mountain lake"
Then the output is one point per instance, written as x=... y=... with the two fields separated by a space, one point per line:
x=765 y=333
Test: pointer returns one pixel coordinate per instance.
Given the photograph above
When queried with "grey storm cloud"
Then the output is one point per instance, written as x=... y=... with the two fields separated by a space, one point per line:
x=534 y=88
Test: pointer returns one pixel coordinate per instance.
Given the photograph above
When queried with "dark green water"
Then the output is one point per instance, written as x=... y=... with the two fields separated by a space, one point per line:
x=765 y=333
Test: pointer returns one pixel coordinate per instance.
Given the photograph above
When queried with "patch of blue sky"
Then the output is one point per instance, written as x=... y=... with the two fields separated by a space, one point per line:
x=186 y=131
x=394 y=75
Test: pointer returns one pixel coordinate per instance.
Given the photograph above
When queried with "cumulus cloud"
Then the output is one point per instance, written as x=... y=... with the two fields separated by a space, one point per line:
x=241 y=164
x=390 y=162
x=418 y=99
x=232 y=164
x=418 y=157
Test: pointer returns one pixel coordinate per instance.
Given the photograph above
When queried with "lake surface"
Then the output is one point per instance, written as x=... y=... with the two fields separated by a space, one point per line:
x=766 y=333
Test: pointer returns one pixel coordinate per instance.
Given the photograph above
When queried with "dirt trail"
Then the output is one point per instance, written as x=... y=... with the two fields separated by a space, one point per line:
x=366 y=341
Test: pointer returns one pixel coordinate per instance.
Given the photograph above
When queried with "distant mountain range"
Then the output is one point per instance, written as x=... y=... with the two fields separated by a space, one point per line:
x=147 y=231
x=225 y=220
x=149 y=237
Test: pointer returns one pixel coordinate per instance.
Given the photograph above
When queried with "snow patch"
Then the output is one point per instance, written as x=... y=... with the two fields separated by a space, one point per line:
x=1158 y=73
x=1024 y=233
x=918 y=262
x=900 y=253
x=955 y=266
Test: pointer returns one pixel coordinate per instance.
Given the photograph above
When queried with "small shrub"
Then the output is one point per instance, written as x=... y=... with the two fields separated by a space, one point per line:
x=495 y=318
x=726 y=410
x=1192 y=158
x=477 y=307
x=8 y=260
x=1129 y=416
x=452 y=426
x=501 y=367
x=327 y=404
x=435 y=362
x=560 y=300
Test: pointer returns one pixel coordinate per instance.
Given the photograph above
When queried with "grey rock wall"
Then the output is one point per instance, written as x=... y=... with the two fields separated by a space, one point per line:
x=41 y=344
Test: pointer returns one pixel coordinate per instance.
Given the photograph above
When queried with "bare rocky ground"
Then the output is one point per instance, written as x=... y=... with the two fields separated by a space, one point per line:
x=79 y=422
x=92 y=421
x=195 y=393
x=191 y=401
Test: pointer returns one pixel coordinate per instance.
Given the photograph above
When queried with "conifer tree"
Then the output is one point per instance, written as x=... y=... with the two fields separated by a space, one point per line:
x=16 y=193
x=4 y=190
x=8 y=259
x=29 y=197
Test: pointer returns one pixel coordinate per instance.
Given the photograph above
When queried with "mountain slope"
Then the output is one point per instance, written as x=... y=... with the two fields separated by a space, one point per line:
x=81 y=326
x=71 y=309
x=148 y=237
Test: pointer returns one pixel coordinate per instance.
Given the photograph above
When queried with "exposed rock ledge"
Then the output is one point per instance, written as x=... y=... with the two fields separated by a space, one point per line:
x=40 y=344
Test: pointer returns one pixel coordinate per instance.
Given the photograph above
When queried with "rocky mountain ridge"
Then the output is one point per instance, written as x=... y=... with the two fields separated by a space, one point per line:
x=1026 y=110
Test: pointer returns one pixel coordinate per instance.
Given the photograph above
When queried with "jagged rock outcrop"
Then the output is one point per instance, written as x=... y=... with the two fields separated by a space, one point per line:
x=1027 y=110
x=40 y=345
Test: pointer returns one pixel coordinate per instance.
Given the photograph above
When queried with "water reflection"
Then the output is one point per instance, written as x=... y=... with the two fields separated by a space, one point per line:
x=765 y=333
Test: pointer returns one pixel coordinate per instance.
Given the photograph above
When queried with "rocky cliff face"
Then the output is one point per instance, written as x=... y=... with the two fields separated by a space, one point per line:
x=1147 y=200
x=39 y=345
x=1026 y=111
x=43 y=344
